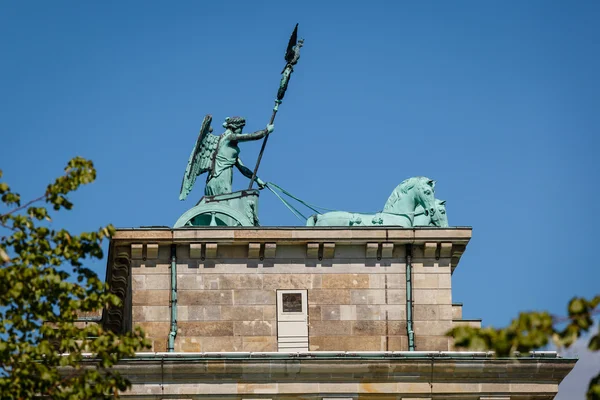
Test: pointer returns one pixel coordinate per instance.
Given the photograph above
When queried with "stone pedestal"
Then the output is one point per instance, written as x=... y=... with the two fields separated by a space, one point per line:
x=224 y=316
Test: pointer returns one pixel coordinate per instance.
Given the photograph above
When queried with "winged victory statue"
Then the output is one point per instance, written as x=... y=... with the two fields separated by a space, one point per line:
x=217 y=155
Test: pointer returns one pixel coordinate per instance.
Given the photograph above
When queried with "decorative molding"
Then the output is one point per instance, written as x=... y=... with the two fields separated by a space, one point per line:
x=387 y=250
x=372 y=249
x=445 y=250
x=253 y=250
x=312 y=250
x=137 y=251
x=211 y=250
x=270 y=250
x=152 y=251
x=195 y=250
x=429 y=249
x=328 y=250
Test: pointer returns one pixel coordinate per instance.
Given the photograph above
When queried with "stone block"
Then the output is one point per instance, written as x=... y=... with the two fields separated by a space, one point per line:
x=445 y=281
x=270 y=250
x=445 y=312
x=329 y=328
x=314 y=313
x=432 y=328
x=202 y=328
x=396 y=296
x=136 y=251
x=367 y=296
x=395 y=312
x=330 y=313
x=151 y=313
x=397 y=328
x=188 y=344
x=253 y=250
x=457 y=311
x=254 y=328
x=151 y=297
x=369 y=328
x=387 y=250
x=152 y=251
x=230 y=343
x=251 y=297
x=196 y=250
x=155 y=329
x=344 y=281
x=371 y=250
x=329 y=296
x=269 y=312
x=348 y=312
x=190 y=282
x=425 y=312
x=345 y=343
x=240 y=281
x=396 y=281
x=445 y=250
x=259 y=343
x=202 y=313
x=157 y=282
x=242 y=313
x=211 y=250
x=432 y=296
x=138 y=282
x=312 y=250
x=328 y=250
x=205 y=297
x=432 y=343
x=159 y=344
x=397 y=343
x=429 y=250
x=369 y=312
x=425 y=281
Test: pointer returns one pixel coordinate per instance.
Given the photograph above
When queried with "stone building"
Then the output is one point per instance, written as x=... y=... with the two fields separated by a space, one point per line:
x=312 y=313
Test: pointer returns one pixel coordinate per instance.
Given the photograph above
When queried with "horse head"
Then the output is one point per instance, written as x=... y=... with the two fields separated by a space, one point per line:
x=441 y=212
x=425 y=198
x=411 y=193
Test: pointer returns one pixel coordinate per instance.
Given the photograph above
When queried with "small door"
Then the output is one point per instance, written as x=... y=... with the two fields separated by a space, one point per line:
x=292 y=320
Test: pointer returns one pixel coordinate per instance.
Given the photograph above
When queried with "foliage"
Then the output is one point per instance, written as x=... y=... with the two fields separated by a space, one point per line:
x=41 y=344
x=533 y=330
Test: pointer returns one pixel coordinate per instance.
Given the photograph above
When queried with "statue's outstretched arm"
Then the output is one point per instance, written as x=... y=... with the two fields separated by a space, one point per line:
x=246 y=172
x=244 y=137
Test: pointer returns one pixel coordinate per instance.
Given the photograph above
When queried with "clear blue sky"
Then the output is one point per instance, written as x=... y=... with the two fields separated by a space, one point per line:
x=497 y=101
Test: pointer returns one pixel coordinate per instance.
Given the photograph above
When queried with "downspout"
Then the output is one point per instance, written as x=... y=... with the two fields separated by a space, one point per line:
x=409 y=299
x=173 y=332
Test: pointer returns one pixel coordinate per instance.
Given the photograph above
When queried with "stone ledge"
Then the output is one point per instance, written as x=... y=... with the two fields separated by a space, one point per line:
x=400 y=367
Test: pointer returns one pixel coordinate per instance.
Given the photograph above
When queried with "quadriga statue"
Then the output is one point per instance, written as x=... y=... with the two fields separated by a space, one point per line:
x=425 y=220
x=399 y=210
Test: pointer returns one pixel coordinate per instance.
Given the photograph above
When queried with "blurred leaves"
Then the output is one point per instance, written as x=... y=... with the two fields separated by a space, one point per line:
x=40 y=301
x=534 y=330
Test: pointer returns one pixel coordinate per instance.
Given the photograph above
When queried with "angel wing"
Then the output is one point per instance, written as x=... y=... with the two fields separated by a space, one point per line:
x=201 y=158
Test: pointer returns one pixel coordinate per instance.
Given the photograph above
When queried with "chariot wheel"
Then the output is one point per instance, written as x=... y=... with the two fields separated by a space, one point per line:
x=212 y=215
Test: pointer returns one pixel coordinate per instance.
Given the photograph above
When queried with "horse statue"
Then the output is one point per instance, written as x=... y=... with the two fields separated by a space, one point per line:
x=425 y=220
x=399 y=210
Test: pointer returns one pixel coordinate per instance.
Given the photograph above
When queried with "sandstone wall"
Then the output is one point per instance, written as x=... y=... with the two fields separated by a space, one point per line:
x=227 y=295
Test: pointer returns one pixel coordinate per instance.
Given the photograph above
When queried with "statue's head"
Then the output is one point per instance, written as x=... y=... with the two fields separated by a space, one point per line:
x=300 y=43
x=236 y=124
x=425 y=197
x=441 y=212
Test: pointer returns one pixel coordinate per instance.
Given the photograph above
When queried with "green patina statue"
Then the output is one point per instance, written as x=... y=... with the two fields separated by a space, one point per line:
x=217 y=155
x=399 y=210
x=422 y=219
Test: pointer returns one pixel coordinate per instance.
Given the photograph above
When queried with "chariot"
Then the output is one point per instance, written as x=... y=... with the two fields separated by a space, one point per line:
x=231 y=209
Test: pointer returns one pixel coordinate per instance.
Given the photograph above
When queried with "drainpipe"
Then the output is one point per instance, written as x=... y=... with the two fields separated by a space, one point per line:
x=409 y=299
x=173 y=332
